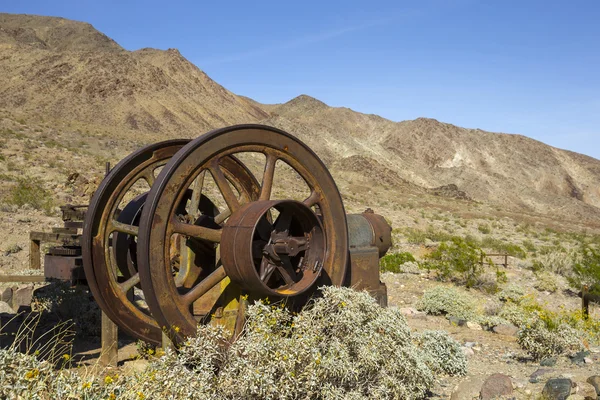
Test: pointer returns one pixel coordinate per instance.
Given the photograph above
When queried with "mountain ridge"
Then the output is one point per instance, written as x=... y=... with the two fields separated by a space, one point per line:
x=55 y=69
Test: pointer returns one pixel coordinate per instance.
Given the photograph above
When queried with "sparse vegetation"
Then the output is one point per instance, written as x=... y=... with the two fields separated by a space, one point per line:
x=393 y=262
x=448 y=300
x=30 y=191
x=456 y=260
x=586 y=270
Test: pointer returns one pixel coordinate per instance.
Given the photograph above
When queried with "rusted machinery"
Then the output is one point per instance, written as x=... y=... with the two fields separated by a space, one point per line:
x=182 y=232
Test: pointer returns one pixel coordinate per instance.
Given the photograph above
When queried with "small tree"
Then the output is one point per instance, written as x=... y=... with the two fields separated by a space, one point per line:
x=586 y=270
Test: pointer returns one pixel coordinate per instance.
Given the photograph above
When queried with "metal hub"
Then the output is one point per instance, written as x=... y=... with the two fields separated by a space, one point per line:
x=283 y=258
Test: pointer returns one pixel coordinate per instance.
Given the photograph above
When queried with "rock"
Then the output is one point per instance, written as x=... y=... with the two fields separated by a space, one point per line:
x=506 y=329
x=586 y=390
x=534 y=378
x=577 y=397
x=474 y=325
x=470 y=344
x=548 y=362
x=595 y=382
x=456 y=321
x=5 y=308
x=6 y=295
x=412 y=312
x=22 y=296
x=579 y=358
x=588 y=360
x=495 y=386
x=468 y=389
x=557 y=389
x=468 y=352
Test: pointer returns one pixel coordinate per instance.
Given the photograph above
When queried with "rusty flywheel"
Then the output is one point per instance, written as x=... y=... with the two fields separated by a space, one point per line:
x=265 y=245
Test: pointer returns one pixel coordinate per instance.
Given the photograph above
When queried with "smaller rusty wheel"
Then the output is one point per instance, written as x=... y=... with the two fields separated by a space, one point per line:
x=280 y=259
x=109 y=242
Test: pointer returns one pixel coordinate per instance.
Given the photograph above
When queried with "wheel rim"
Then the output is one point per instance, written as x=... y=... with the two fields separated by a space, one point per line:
x=171 y=306
x=110 y=272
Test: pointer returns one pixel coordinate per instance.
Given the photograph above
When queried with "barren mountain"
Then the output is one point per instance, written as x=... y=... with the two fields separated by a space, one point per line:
x=63 y=72
x=503 y=169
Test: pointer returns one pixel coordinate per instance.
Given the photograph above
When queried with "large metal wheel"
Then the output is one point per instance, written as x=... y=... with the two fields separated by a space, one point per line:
x=109 y=241
x=282 y=248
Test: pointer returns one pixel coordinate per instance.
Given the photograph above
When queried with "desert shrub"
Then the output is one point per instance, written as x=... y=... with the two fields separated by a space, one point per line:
x=457 y=260
x=515 y=314
x=512 y=293
x=546 y=282
x=529 y=246
x=32 y=192
x=484 y=228
x=442 y=353
x=444 y=300
x=393 y=262
x=342 y=345
x=586 y=270
x=540 y=341
x=557 y=261
x=504 y=247
x=489 y=321
x=60 y=300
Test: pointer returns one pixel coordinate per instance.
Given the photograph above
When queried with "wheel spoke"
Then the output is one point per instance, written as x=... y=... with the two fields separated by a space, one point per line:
x=264 y=229
x=131 y=282
x=283 y=222
x=224 y=186
x=204 y=286
x=287 y=270
x=313 y=199
x=125 y=228
x=148 y=176
x=195 y=231
x=266 y=270
x=222 y=216
x=196 y=194
x=267 y=182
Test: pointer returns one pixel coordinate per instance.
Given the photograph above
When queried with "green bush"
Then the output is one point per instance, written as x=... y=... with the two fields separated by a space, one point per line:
x=30 y=191
x=447 y=300
x=586 y=270
x=484 y=228
x=393 y=262
x=456 y=260
x=501 y=246
x=546 y=282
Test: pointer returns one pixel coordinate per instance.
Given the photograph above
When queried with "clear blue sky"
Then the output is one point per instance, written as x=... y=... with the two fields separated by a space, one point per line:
x=529 y=67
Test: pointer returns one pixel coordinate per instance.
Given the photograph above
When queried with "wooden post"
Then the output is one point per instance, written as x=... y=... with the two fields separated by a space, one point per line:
x=109 y=353
x=34 y=254
x=167 y=343
x=585 y=302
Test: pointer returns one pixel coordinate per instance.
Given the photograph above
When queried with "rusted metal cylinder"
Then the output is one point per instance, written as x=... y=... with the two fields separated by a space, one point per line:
x=369 y=230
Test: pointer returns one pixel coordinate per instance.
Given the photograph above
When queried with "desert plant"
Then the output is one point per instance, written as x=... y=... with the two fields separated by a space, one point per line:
x=447 y=300
x=393 y=262
x=442 y=353
x=512 y=293
x=32 y=192
x=458 y=260
x=586 y=270
x=484 y=228
x=540 y=341
x=546 y=282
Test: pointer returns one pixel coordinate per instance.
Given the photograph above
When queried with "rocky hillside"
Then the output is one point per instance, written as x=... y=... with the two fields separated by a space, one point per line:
x=64 y=72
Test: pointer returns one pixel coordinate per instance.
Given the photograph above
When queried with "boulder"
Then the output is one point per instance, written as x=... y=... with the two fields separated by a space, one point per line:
x=506 y=329
x=495 y=386
x=586 y=390
x=557 y=389
x=595 y=382
x=474 y=325
x=467 y=389
x=22 y=296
